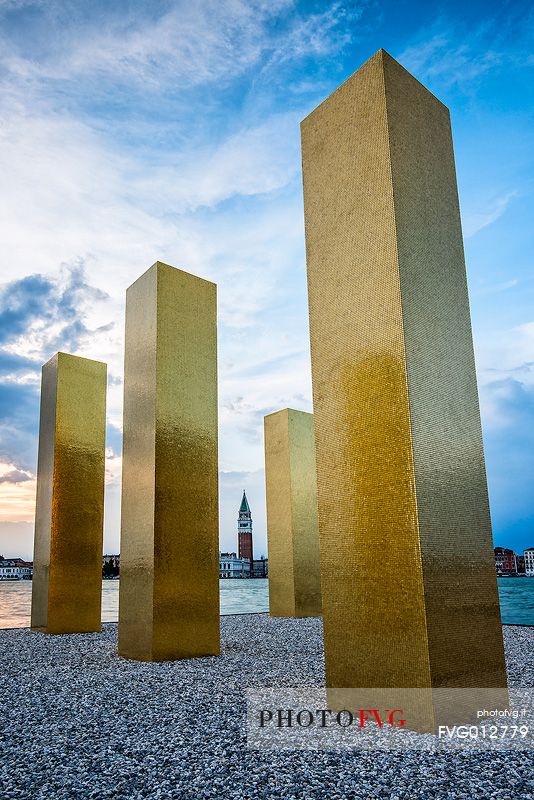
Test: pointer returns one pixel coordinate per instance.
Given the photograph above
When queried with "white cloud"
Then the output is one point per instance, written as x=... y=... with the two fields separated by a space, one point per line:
x=65 y=196
x=69 y=196
x=508 y=353
x=78 y=188
x=254 y=160
x=189 y=43
x=17 y=494
x=475 y=221
x=496 y=288
x=440 y=56
x=505 y=362
x=75 y=198
x=113 y=467
x=21 y=379
x=318 y=35
x=186 y=45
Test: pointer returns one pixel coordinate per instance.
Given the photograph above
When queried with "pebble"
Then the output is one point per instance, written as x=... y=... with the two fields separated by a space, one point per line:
x=77 y=721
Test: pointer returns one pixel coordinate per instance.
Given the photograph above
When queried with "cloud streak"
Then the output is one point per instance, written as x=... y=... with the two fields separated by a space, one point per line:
x=163 y=45
x=474 y=222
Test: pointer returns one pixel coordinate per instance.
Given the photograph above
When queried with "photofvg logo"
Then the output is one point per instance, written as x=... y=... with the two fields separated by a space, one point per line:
x=325 y=717
x=389 y=719
x=304 y=719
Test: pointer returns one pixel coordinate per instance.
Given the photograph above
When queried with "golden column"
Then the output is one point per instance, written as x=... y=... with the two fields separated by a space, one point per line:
x=169 y=588
x=69 y=514
x=292 y=528
x=408 y=577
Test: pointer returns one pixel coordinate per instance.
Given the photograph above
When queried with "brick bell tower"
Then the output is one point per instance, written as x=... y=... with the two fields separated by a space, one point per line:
x=244 y=532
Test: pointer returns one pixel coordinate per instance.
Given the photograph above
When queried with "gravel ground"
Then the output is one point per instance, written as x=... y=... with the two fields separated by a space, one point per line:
x=77 y=721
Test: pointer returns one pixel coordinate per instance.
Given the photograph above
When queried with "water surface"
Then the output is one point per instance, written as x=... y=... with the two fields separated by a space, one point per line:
x=236 y=596
x=245 y=597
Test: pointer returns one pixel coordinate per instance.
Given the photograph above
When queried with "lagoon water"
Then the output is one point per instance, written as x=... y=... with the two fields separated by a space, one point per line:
x=516 y=596
x=237 y=597
x=246 y=596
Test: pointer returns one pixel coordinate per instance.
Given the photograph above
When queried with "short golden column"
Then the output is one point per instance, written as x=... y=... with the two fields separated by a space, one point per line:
x=292 y=527
x=169 y=588
x=69 y=514
x=408 y=578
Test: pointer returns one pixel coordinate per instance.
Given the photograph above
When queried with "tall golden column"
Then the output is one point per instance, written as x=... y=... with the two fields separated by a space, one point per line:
x=69 y=514
x=292 y=527
x=408 y=579
x=169 y=588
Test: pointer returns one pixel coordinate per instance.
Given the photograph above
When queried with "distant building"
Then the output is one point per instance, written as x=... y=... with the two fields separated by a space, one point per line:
x=260 y=568
x=15 y=569
x=528 y=555
x=244 y=531
x=520 y=564
x=505 y=561
x=110 y=566
x=231 y=566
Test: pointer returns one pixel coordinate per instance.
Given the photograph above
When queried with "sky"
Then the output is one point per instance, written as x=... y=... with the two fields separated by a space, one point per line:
x=133 y=132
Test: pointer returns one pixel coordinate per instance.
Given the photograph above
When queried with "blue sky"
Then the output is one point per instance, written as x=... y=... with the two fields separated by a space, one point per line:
x=135 y=131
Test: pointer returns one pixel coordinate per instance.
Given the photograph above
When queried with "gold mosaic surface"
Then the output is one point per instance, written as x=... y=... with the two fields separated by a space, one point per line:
x=67 y=572
x=169 y=592
x=292 y=525
x=409 y=589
